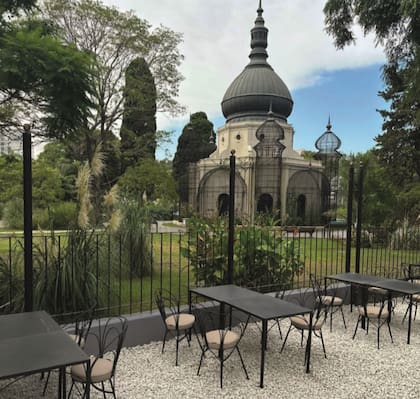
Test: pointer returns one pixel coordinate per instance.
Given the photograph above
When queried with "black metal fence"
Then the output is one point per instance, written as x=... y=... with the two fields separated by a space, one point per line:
x=74 y=270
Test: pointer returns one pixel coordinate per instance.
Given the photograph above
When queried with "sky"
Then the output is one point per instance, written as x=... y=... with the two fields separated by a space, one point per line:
x=323 y=81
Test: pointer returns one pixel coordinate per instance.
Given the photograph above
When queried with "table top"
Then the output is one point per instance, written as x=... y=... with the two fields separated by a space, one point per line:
x=356 y=278
x=401 y=286
x=264 y=307
x=34 y=342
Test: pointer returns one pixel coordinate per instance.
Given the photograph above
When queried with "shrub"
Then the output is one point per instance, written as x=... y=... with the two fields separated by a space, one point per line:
x=262 y=258
x=13 y=214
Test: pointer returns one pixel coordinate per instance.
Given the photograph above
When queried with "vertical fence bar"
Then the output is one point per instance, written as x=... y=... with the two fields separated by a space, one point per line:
x=231 y=216
x=349 y=216
x=27 y=217
x=359 y=216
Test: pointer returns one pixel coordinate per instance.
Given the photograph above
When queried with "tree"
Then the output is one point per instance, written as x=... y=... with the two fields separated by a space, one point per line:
x=138 y=129
x=396 y=25
x=194 y=143
x=115 y=39
x=39 y=75
x=148 y=181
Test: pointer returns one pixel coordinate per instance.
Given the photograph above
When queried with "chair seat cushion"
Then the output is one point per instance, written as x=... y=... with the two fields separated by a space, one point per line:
x=378 y=291
x=302 y=322
x=101 y=370
x=331 y=300
x=79 y=340
x=416 y=298
x=185 y=321
x=373 y=312
x=215 y=337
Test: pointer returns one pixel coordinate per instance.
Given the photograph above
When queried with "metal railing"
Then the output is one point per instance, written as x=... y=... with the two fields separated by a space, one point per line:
x=72 y=271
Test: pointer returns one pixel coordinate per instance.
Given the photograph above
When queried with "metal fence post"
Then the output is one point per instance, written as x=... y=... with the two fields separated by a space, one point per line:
x=359 y=216
x=349 y=216
x=232 y=168
x=27 y=216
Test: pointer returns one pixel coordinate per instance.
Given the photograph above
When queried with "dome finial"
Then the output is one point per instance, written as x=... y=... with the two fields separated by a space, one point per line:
x=259 y=35
x=329 y=123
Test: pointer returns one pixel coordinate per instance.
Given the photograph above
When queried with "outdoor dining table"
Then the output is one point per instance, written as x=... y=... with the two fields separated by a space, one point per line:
x=32 y=343
x=391 y=285
x=260 y=306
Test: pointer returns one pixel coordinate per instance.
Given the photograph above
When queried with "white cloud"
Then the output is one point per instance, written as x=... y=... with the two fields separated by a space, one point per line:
x=216 y=44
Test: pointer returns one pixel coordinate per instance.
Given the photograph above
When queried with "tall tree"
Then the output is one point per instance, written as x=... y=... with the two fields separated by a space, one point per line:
x=39 y=75
x=195 y=143
x=138 y=128
x=117 y=38
x=396 y=25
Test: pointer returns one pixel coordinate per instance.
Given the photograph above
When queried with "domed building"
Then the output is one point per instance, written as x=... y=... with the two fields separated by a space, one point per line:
x=271 y=177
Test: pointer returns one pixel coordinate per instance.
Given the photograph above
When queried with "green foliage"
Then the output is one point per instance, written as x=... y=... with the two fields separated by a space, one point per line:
x=148 y=181
x=396 y=25
x=193 y=144
x=40 y=74
x=138 y=129
x=135 y=240
x=262 y=257
x=65 y=279
x=406 y=236
x=13 y=213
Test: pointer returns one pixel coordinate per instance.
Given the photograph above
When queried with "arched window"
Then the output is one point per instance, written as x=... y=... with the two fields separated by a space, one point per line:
x=223 y=204
x=301 y=205
x=265 y=204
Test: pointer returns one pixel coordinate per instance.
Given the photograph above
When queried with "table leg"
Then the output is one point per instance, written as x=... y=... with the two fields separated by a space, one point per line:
x=87 y=390
x=409 y=319
x=308 y=343
x=60 y=383
x=263 y=348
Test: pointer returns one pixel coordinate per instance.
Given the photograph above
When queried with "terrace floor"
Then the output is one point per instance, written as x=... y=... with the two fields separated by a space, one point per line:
x=353 y=369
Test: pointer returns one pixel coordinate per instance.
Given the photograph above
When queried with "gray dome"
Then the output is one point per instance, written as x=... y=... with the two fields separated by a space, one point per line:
x=258 y=87
x=252 y=93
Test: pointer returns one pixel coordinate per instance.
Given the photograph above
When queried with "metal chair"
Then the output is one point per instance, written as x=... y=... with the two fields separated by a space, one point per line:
x=328 y=298
x=109 y=337
x=219 y=333
x=376 y=314
x=176 y=323
x=302 y=322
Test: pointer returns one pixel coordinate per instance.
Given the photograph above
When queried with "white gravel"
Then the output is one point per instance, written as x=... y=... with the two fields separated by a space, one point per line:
x=353 y=369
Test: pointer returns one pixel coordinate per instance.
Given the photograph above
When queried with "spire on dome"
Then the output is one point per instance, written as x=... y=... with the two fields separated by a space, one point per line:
x=259 y=43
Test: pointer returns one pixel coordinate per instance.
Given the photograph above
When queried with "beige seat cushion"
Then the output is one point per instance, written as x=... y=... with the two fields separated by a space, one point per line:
x=416 y=298
x=331 y=300
x=302 y=322
x=185 y=321
x=101 y=371
x=214 y=339
x=79 y=340
x=373 y=312
x=378 y=291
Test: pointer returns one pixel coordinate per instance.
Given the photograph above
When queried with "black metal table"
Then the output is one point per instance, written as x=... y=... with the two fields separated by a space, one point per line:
x=32 y=343
x=260 y=306
x=391 y=285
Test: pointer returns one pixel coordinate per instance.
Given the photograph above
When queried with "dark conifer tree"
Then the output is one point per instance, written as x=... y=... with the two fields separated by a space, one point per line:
x=196 y=142
x=138 y=129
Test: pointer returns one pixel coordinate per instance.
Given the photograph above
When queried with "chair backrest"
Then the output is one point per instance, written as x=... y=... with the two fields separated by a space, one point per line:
x=166 y=302
x=322 y=307
x=109 y=336
x=210 y=317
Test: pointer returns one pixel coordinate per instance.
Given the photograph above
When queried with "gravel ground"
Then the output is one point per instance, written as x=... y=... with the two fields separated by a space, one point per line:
x=353 y=369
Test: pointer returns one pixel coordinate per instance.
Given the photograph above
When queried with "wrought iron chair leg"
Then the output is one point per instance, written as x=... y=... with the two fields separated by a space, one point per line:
x=103 y=389
x=331 y=315
x=278 y=325
x=201 y=361
x=46 y=383
x=405 y=314
x=301 y=338
x=71 y=389
x=357 y=325
x=323 y=344
x=164 y=340
x=243 y=364
x=390 y=333
x=415 y=311
x=285 y=338
x=221 y=370
x=344 y=319
x=177 y=347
